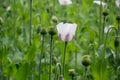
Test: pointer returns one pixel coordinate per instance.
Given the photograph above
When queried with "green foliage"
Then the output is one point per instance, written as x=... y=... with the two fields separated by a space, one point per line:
x=19 y=60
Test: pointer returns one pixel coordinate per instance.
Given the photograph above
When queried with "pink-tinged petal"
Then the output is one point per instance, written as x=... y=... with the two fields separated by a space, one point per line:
x=60 y=36
x=67 y=37
x=65 y=2
x=73 y=37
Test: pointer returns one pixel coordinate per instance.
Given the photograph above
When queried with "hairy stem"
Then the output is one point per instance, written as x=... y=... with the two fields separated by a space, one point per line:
x=40 y=57
x=64 y=58
x=51 y=42
x=30 y=33
x=85 y=73
x=100 y=22
x=118 y=26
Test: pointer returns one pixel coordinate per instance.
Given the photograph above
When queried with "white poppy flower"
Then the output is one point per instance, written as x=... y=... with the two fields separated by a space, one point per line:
x=65 y=2
x=118 y=3
x=66 y=31
x=99 y=3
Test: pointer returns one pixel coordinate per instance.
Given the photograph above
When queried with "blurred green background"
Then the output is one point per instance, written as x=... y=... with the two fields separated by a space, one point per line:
x=19 y=59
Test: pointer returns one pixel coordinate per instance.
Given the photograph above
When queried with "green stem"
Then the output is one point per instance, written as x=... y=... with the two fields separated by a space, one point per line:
x=112 y=28
x=85 y=73
x=2 y=75
x=100 y=22
x=76 y=60
x=116 y=63
x=60 y=70
x=118 y=26
x=103 y=35
x=30 y=34
x=14 y=20
x=72 y=77
x=64 y=58
x=59 y=65
x=40 y=57
x=2 y=65
x=51 y=42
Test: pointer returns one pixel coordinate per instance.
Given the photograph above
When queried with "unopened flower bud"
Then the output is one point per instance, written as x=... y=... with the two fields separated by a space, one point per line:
x=52 y=31
x=86 y=61
x=116 y=41
x=43 y=31
x=72 y=72
x=54 y=19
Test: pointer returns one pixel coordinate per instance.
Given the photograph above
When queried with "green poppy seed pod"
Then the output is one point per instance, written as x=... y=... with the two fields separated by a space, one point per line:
x=43 y=31
x=118 y=18
x=54 y=19
x=52 y=31
x=72 y=72
x=116 y=41
x=86 y=61
x=105 y=13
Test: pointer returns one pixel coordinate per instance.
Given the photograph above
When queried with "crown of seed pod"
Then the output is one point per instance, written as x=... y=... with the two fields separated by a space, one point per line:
x=116 y=41
x=105 y=13
x=72 y=72
x=86 y=60
x=43 y=31
x=52 y=31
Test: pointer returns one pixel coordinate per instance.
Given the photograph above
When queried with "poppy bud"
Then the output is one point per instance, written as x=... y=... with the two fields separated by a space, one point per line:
x=52 y=31
x=72 y=72
x=54 y=19
x=86 y=61
x=43 y=31
x=116 y=41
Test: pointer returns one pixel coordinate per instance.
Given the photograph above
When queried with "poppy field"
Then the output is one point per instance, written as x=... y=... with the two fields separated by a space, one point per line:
x=59 y=39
